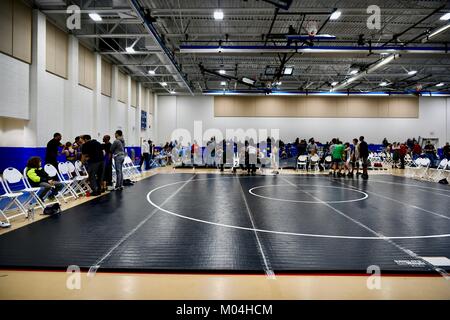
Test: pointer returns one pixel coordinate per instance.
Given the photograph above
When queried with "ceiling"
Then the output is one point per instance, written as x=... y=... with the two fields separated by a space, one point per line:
x=186 y=47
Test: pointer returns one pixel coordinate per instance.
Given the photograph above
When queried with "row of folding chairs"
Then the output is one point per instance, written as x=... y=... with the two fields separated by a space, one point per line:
x=129 y=170
x=18 y=195
x=421 y=170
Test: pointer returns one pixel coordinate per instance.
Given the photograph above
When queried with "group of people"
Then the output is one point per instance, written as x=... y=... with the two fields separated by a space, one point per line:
x=399 y=151
x=97 y=157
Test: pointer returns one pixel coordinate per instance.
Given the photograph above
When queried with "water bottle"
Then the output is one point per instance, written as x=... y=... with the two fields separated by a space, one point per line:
x=31 y=214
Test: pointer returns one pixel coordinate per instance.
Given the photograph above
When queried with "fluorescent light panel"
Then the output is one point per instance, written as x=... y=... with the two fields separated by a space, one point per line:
x=164 y=84
x=218 y=15
x=95 y=16
x=446 y=16
x=412 y=72
x=440 y=84
x=222 y=71
x=288 y=71
x=335 y=15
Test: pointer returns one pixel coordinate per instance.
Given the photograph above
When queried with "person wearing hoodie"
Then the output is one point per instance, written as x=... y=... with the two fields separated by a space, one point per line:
x=37 y=177
x=92 y=153
x=118 y=153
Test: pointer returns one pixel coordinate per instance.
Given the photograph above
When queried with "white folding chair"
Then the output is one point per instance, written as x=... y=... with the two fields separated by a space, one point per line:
x=72 y=175
x=302 y=162
x=82 y=173
x=9 y=202
x=66 y=190
x=440 y=172
x=314 y=162
x=16 y=182
x=328 y=162
x=130 y=169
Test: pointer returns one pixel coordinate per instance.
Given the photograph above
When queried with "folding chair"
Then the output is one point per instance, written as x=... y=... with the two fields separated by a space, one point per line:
x=328 y=162
x=52 y=172
x=15 y=182
x=72 y=175
x=10 y=201
x=130 y=169
x=81 y=172
x=302 y=161
x=440 y=171
x=314 y=162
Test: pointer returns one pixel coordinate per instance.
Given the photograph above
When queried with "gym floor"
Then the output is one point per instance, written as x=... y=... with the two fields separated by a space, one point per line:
x=184 y=234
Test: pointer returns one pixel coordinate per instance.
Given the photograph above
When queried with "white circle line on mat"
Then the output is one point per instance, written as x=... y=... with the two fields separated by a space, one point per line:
x=252 y=192
x=273 y=231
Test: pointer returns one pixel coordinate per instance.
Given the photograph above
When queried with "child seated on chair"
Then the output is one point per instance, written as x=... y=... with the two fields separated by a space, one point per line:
x=39 y=178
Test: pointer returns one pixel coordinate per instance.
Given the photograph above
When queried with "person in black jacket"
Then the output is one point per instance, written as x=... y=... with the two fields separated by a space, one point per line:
x=51 y=153
x=92 y=153
x=364 y=155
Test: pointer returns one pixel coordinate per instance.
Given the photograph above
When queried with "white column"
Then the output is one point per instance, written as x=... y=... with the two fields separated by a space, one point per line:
x=70 y=92
x=113 y=105
x=140 y=102
x=155 y=120
x=97 y=97
x=128 y=130
x=37 y=81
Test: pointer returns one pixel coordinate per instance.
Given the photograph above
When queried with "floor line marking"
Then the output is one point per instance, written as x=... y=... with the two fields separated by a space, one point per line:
x=272 y=231
x=409 y=252
x=267 y=269
x=395 y=200
x=417 y=186
x=97 y=265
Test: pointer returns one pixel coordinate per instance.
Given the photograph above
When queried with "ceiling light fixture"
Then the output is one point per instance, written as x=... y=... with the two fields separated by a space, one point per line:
x=223 y=83
x=384 y=84
x=436 y=32
x=248 y=81
x=288 y=71
x=335 y=15
x=412 y=72
x=446 y=16
x=354 y=71
x=95 y=16
x=218 y=15
x=164 y=84
x=151 y=72
x=130 y=49
x=440 y=84
x=222 y=71
x=334 y=83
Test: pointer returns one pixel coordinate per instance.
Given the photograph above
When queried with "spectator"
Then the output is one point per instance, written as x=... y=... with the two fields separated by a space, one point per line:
x=92 y=153
x=69 y=152
x=107 y=175
x=118 y=153
x=364 y=156
x=39 y=178
x=145 y=158
x=430 y=152
x=403 y=151
x=446 y=151
x=51 y=153
x=417 y=150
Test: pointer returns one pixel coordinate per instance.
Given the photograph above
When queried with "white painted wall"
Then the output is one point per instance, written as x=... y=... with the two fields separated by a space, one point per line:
x=52 y=104
x=181 y=112
x=14 y=88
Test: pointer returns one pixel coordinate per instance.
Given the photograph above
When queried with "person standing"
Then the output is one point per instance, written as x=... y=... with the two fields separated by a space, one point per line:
x=51 y=153
x=364 y=155
x=403 y=151
x=118 y=154
x=446 y=151
x=92 y=153
x=145 y=158
x=107 y=175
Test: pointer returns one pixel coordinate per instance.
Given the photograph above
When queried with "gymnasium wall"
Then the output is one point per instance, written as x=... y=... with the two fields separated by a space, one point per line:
x=36 y=103
x=181 y=111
